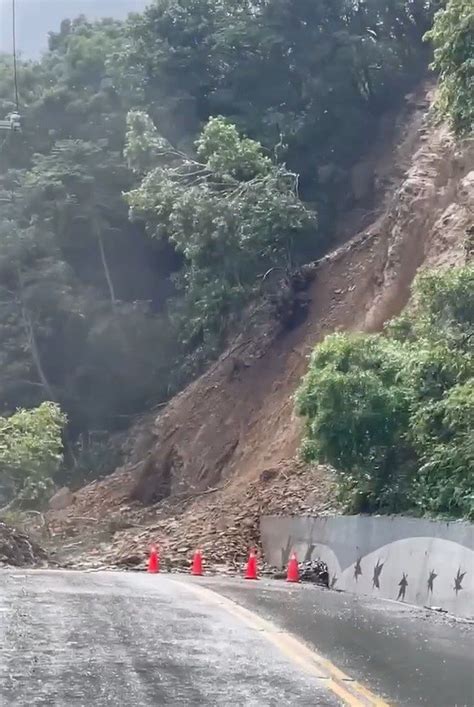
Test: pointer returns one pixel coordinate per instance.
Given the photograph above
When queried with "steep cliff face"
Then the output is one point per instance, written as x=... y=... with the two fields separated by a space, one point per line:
x=237 y=420
x=223 y=451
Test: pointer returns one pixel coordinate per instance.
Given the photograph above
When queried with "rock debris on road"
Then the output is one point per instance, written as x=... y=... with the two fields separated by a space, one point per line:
x=17 y=549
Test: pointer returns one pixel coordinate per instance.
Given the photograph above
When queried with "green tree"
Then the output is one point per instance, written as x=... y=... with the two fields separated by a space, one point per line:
x=442 y=434
x=312 y=76
x=229 y=212
x=31 y=451
x=169 y=65
x=452 y=36
x=357 y=410
x=446 y=308
x=77 y=190
x=36 y=306
x=81 y=301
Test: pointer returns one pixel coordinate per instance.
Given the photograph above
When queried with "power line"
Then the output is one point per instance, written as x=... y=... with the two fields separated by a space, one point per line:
x=15 y=73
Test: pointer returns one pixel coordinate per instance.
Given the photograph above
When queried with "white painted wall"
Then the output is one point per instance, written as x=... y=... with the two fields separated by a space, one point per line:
x=423 y=562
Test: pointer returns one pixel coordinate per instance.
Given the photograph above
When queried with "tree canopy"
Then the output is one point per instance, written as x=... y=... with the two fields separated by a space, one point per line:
x=453 y=38
x=229 y=211
x=30 y=452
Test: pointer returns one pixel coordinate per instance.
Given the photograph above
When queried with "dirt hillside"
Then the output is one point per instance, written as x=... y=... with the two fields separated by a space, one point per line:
x=238 y=417
x=222 y=451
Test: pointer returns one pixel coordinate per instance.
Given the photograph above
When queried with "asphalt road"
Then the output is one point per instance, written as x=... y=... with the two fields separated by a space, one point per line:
x=405 y=654
x=137 y=640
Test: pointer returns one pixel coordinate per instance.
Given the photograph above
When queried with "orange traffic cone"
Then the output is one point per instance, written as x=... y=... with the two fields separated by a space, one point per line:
x=293 y=574
x=196 y=568
x=251 y=571
x=154 y=561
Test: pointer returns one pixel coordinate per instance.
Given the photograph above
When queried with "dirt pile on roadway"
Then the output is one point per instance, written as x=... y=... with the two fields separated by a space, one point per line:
x=17 y=550
x=222 y=522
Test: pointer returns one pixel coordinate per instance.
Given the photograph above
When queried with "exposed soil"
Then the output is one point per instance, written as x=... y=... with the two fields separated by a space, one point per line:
x=232 y=435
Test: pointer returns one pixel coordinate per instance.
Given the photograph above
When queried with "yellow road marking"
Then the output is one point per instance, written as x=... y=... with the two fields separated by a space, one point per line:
x=350 y=691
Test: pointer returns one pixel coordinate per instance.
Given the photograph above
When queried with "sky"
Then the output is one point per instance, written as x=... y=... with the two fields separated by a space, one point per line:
x=35 y=18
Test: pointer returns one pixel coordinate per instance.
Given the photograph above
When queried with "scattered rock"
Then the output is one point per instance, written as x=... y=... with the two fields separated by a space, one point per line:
x=268 y=475
x=61 y=499
x=17 y=550
x=224 y=524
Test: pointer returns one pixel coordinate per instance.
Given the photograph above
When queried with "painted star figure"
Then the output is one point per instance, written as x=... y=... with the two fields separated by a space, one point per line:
x=377 y=572
x=403 y=584
x=458 y=580
x=431 y=579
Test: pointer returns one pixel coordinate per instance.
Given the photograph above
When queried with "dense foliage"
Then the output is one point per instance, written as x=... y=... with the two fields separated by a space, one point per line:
x=96 y=315
x=230 y=212
x=310 y=76
x=453 y=39
x=394 y=413
x=81 y=302
x=30 y=452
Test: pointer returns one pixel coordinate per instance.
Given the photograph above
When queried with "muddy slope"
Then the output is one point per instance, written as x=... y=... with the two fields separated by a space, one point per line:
x=222 y=453
x=237 y=420
x=234 y=428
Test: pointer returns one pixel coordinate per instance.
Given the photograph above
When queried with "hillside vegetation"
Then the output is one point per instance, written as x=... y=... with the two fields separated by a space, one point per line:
x=175 y=169
x=394 y=413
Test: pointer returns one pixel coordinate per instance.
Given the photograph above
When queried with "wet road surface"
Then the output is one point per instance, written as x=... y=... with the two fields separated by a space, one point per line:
x=407 y=655
x=135 y=640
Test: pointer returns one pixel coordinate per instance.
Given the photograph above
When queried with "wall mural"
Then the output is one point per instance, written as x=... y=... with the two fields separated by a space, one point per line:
x=424 y=569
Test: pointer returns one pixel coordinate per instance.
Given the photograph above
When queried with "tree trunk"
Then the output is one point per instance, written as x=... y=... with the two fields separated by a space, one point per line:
x=35 y=354
x=105 y=266
x=33 y=345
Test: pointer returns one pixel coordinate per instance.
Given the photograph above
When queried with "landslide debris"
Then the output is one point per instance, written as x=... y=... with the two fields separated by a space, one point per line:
x=222 y=522
x=18 y=550
x=222 y=453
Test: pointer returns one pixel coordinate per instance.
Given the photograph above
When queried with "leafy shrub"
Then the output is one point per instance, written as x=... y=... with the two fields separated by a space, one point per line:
x=394 y=413
x=31 y=451
x=452 y=36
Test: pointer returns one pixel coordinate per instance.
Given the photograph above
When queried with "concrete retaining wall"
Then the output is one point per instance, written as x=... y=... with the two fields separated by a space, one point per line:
x=429 y=563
